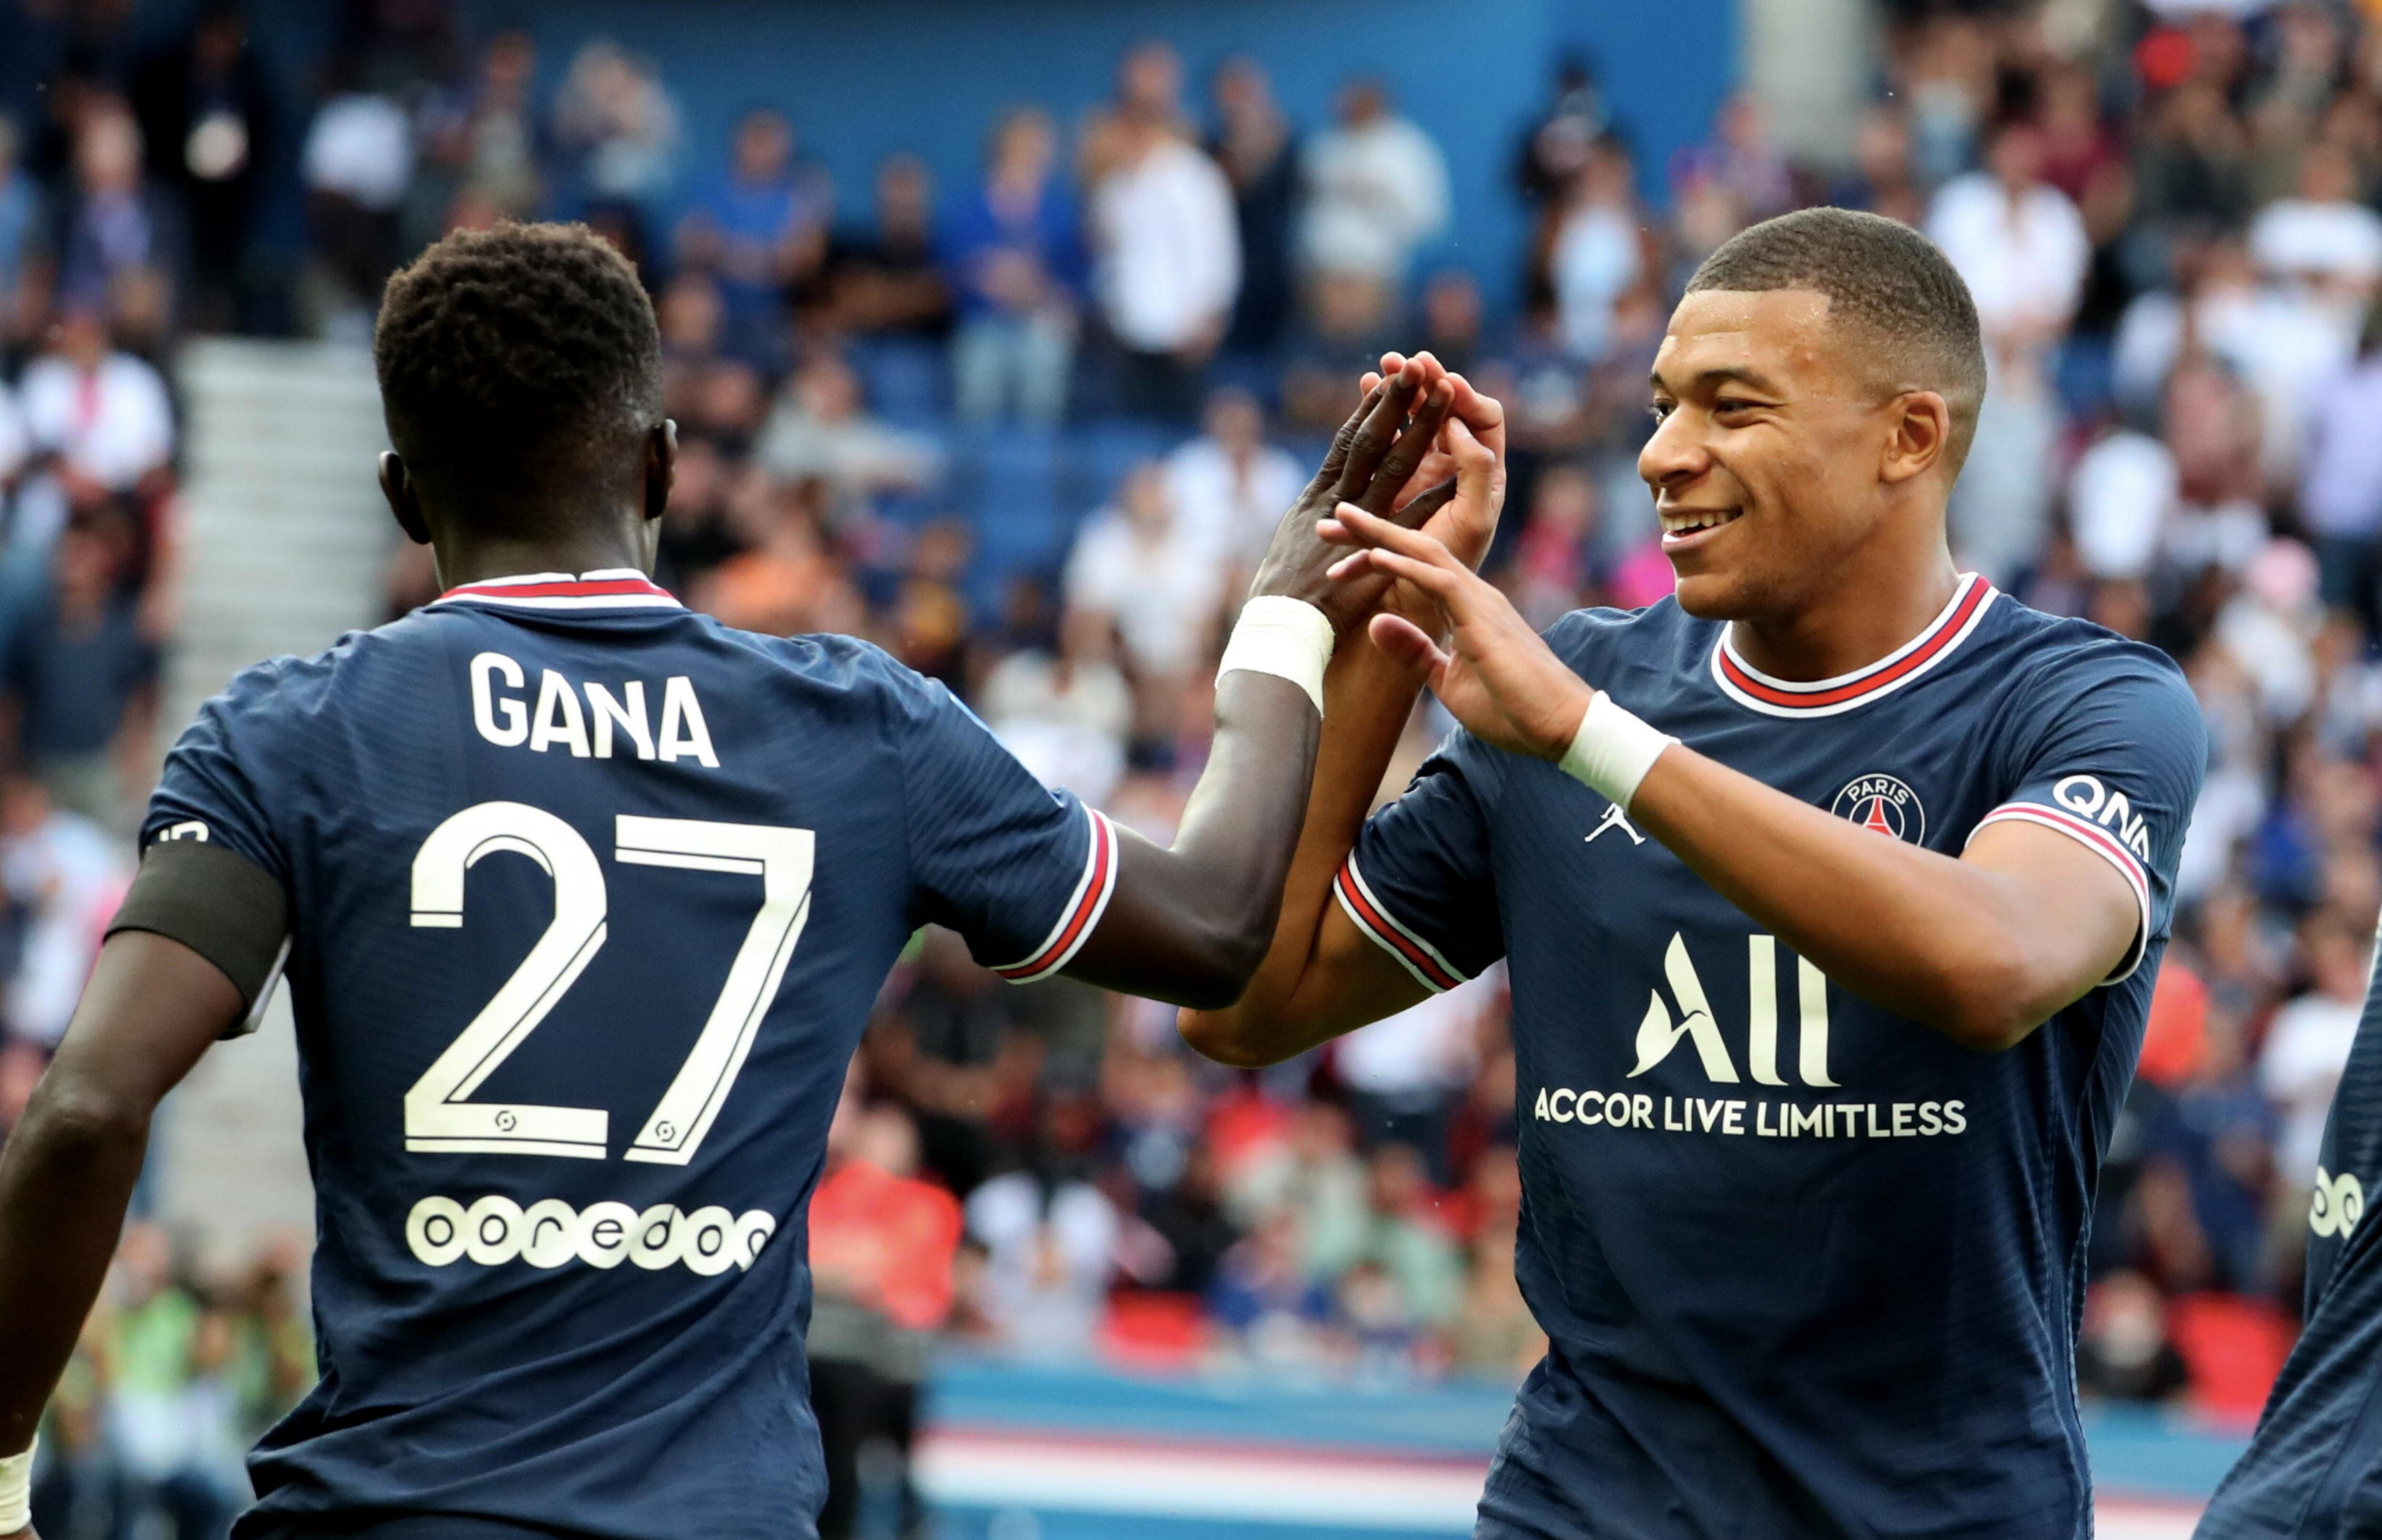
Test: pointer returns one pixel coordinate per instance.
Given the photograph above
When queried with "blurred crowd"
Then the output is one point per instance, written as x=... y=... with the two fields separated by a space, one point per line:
x=1030 y=430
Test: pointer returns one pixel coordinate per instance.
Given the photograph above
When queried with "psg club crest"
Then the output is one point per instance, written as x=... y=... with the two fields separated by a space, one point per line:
x=1886 y=804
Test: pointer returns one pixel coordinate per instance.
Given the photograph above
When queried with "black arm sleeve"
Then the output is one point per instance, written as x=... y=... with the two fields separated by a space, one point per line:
x=216 y=902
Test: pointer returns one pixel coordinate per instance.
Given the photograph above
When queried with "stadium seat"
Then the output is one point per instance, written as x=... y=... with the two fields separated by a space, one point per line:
x=2234 y=1345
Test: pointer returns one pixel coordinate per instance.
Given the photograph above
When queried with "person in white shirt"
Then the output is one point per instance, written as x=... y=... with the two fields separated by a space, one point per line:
x=100 y=419
x=1137 y=564
x=1376 y=188
x=2022 y=248
x=1166 y=244
x=2308 y=1042
x=1598 y=250
x=2324 y=237
x=1231 y=487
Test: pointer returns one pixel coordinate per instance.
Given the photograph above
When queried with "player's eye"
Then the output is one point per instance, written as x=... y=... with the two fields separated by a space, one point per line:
x=1661 y=410
x=1727 y=404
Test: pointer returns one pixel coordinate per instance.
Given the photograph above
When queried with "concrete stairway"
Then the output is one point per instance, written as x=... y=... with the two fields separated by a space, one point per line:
x=284 y=539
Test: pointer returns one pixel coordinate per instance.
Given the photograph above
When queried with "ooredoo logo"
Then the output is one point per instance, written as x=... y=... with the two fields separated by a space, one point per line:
x=496 y=1230
x=1884 y=803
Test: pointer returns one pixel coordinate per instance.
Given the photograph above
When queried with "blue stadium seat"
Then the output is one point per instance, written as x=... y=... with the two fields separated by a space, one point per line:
x=904 y=380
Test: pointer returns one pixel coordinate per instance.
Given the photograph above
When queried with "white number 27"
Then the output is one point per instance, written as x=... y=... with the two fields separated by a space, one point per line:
x=439 y=1113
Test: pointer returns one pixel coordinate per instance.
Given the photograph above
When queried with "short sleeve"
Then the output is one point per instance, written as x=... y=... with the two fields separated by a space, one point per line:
x=1021 y=871
x=2111 y=752
x=1418 y=881
x=205 y=793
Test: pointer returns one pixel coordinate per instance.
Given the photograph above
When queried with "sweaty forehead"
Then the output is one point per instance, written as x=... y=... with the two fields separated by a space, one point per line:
x=1781 y=334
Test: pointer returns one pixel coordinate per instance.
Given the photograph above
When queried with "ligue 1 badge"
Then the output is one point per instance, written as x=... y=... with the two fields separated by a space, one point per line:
x=1884 y=803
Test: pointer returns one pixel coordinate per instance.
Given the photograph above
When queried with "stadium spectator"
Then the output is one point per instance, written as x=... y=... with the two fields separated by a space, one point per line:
x=2308 y=1042
x=81 y=677
x=1376 y=188
x=481 y=149
x=1068 y=714
x=1014 y=255
x=208 y=117
x=355 y=165
x=116 y=222
x=819 y=429
x=1229 y=485
x=887 y=280
x=614 y=129
x=1167 y=252
x=759 y=229
x=882 y=1243
x=98 y=422
x=1259 y=153
x=24 y=242
x=1153 y=577
x=2341 y=487
x=2022 y=247
x=1595 y=254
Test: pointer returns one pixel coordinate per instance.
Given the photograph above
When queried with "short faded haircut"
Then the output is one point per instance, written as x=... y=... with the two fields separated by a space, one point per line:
x=1882 y=279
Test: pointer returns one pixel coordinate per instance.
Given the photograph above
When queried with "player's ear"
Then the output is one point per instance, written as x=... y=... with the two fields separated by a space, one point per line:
x=661 y=467
x=1920 y=421
x=404 y=501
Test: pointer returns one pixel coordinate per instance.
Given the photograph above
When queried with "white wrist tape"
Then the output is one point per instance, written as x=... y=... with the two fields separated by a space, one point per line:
x=17 y=1490
x=1287 y=637
x=1613 y=749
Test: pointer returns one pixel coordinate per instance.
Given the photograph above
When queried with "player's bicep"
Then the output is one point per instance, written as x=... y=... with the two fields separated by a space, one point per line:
x=1352 y=979
x=2081 y=919
x=152 y=1006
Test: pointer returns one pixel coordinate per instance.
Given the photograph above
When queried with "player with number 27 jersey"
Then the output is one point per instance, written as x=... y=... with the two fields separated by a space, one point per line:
x=594 y=895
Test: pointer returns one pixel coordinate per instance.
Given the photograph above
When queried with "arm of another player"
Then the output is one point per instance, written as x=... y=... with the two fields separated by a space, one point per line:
x=1191 y=923
x=1983 y=949
x=151 y=1008
x=1323 y=977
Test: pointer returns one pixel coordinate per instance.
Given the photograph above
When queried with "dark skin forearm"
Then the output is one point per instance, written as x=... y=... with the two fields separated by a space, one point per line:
x=1179 y=926
x=150 y=1011
x=1366 y=699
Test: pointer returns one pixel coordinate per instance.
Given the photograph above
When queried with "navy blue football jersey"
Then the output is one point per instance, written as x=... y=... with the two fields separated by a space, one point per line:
x=2313 y=1470
x=1806 y=1267
x=590 y=897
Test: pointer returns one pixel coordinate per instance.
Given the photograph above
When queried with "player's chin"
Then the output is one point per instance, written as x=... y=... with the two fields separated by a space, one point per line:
x=1708 y=591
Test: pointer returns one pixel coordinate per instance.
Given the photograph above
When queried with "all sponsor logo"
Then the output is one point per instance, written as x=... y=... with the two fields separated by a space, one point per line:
x=1884 y=803
x=1659 y=1031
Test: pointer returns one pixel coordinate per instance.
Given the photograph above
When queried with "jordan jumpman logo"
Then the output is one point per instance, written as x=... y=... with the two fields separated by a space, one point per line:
x=1615 y=818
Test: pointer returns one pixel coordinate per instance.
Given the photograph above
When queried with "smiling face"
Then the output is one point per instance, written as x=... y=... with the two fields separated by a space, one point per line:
x=1766 y=456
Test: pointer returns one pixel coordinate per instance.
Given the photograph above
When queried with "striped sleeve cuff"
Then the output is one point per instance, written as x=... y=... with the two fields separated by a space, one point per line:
x=1425 y=961
x=1081 y=914
x=2101 y=842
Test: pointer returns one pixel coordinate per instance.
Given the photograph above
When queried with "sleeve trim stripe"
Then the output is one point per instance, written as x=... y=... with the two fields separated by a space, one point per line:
x=1418 y=957
x=1081 y=916
x=2098 y=840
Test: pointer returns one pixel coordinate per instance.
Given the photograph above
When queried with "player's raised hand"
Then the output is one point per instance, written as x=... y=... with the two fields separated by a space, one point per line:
x=1465 y=525
x=1494 y=675
x=1372 y=460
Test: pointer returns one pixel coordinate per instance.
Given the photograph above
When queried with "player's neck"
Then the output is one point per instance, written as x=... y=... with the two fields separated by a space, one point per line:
x=1859 y=621
x=464 y=559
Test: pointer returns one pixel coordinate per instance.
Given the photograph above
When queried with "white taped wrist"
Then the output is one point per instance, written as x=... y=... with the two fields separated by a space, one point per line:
x=1613 y=749
x=1287 y=637
x=17 y=1490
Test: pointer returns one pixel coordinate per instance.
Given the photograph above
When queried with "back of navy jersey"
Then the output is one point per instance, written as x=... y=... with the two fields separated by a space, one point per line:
x=2314 y=1467
x=1808 y=1268
x=590 y=898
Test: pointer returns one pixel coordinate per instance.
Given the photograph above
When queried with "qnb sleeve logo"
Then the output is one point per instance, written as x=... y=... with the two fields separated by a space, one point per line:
x=2339 y=1203
x=549 y=1233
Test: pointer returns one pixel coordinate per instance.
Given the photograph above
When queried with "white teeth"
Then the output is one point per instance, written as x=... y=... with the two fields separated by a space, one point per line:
x=1684 y=524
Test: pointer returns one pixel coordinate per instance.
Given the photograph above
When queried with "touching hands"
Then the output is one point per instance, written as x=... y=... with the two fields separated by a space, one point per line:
x=1495 y=674
x=1373 y=461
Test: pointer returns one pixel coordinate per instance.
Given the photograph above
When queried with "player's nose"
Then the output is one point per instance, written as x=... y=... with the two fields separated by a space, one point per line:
x=1672 y=453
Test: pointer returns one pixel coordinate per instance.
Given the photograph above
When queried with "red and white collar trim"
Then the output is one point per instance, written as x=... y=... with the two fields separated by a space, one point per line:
x=611 y=588
x=1750 y=686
